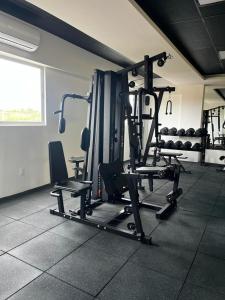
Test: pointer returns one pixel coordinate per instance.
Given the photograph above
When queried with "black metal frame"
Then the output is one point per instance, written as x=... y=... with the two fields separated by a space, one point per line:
x=176 y=159
x=132 y=206
x=109 y=106
x=80 y=215
x=208 y=117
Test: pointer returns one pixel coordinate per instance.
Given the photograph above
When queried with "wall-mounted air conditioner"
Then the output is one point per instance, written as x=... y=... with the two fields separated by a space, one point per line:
x=18 y=34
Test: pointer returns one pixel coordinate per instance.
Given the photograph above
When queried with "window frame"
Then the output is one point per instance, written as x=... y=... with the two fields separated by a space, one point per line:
x=42 y=68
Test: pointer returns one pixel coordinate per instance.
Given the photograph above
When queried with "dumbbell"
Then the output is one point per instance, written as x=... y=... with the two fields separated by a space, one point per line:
x=187 y=145
x=169 y=144
x=190 y=132
x=181 y=132
x=164 y=130
x=178 y=145
x=172 y=131
x=161 y=144
x=200 y=132
x=196 y=147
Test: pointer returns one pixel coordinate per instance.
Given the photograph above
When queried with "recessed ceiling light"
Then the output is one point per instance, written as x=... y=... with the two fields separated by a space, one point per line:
x=222 y=55
x=205 y=2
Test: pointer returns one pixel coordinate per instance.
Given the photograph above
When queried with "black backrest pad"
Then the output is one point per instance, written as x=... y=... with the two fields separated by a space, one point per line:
x=111 y=175
x=57 y=163
x=85 y=139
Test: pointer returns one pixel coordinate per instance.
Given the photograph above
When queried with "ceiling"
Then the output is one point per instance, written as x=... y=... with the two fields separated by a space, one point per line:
x=221 y=92
x=43 y=20
x=122 y=27
x=197 y=31
x=119 y=31
x=212 y=98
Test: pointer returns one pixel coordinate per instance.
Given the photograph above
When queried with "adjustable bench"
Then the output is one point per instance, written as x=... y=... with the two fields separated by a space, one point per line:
x=59 y=177
x=171 y=173
x=167 y=157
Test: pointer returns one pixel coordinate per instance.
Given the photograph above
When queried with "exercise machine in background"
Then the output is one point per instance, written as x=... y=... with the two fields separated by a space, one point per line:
x=104 y=179
x=214 y=122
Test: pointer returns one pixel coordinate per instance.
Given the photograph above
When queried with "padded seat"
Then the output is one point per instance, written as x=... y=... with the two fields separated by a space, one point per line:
x=59 y=177
x=150 y=170
x=173 y=154
x=73 y=186
x=75 y=159
x=58 y=171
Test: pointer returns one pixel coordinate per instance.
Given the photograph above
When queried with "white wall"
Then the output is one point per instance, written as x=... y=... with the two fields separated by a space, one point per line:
x=25 y=147
x=57 y=53
x=213 y=156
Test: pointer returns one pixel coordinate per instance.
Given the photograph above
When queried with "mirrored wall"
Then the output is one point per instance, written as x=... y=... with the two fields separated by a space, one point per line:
x=214 y=116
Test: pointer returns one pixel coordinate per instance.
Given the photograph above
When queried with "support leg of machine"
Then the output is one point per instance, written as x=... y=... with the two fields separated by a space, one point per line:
x=150 y=183
x=181 y=166
x=165 y=160
x=58 y=194
x=83 y=205
x=135 y=207
x=76 y=170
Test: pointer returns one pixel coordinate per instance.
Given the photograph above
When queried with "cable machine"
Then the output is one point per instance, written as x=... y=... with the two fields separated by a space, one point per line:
x=216 y=118
x=103 y=143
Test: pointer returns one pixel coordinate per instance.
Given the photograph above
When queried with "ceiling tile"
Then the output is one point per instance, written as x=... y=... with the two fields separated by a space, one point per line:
x=208 y=61
x=216 y=27
x=192 y=35
x=213 y=10
x=190 y=32
x=170 y=11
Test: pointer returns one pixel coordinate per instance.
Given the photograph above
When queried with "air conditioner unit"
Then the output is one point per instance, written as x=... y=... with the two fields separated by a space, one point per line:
x=18 y=34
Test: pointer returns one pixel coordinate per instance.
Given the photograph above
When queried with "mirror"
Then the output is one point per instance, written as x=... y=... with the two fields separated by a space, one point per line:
x=214 y=116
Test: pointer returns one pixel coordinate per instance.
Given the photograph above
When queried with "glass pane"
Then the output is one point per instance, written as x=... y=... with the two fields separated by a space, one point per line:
x=20 y=92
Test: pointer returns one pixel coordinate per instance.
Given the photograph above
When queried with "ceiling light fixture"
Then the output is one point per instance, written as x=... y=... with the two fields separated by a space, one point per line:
x=206 y=2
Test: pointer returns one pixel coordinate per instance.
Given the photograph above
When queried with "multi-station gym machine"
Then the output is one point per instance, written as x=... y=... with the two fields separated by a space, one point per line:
x=104 y=179
x=215 y=118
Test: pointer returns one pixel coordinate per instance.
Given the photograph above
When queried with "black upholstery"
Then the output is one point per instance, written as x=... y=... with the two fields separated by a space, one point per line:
x=58 y=171
x=73 y=186
x=114 y=182
x=85 y=139
x=62 y=125
x=57 y=163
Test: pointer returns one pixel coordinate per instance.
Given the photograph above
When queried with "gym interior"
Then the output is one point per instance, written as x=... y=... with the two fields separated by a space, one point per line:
x=112 y=128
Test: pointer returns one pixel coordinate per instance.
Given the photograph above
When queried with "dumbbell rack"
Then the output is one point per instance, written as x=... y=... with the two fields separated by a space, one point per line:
x=203 y=144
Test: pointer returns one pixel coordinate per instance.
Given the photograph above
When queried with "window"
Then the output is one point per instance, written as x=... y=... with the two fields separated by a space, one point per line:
x=21 y=93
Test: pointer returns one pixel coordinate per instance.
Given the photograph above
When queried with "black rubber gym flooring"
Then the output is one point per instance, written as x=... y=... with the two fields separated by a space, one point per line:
x=44 y=257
